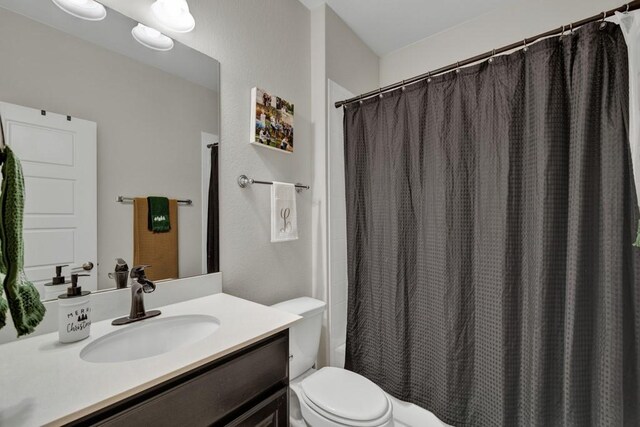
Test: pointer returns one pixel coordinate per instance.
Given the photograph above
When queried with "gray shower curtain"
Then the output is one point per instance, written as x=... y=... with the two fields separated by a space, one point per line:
x=490 y=216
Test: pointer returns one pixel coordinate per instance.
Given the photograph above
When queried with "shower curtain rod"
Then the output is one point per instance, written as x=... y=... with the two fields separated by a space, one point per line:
x=523 y=43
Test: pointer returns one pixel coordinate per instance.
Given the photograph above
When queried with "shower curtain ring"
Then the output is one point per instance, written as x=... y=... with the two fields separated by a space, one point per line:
x=429 y=77
x=525 y=48
x=571 y=28
x=403 y=86
x=380 y=93
x=493 y=54
x=627 y=11
x=603 y=23
x=458 y=67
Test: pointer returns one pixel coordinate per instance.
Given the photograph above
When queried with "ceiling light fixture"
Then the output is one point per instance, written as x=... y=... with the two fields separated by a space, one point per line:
x=151 y=38
x=89 y=10
x=174 y=14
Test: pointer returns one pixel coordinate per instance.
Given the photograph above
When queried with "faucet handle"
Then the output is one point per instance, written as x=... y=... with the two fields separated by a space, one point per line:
x=148 y=286
x=137 y=272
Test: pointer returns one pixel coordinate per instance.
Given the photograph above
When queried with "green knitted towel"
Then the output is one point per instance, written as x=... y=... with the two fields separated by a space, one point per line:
x=3 y=302
x=23 y=298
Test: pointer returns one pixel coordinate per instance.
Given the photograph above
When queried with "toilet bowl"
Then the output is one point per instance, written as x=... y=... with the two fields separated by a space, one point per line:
x=333 y=397
x=329 y=397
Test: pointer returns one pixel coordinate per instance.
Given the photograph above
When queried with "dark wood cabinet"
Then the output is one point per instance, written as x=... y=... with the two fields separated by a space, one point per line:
x=246 y=388
x=272 y=412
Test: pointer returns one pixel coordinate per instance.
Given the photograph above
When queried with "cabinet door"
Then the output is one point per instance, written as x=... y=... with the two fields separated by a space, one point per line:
x=271 y=412
x=211 y=394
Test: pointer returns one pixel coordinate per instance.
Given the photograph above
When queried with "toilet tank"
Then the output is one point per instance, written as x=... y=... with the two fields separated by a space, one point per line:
x=304 y=335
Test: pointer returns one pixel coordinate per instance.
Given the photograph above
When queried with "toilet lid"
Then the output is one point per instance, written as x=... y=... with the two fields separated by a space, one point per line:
x=345 y=394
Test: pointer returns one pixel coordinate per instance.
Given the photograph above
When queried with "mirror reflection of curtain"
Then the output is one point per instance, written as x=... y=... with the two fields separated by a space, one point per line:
x=490 y=222
x=213 y=220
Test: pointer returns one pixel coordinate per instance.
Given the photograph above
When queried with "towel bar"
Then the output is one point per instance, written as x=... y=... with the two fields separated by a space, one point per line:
x=122 y=199
x=244 y=181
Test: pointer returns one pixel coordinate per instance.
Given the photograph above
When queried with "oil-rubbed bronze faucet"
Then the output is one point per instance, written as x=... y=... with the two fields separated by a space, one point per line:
x=139 y=286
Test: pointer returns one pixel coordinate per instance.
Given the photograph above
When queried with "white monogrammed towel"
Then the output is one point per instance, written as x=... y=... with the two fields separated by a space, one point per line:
x=284 y=223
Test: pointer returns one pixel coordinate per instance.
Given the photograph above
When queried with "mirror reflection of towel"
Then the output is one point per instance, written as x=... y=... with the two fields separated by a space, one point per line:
x=159 y=250
x=158 y=219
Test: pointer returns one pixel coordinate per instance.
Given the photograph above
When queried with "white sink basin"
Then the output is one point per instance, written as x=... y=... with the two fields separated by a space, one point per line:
x=149 y=338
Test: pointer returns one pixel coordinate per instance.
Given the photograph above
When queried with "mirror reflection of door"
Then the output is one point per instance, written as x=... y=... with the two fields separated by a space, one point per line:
x=156 y=112
x=58 y=156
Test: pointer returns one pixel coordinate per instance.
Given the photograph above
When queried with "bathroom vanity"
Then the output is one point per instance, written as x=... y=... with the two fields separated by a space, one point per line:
x=247 y=387
x=100 y=121
x=236 y=375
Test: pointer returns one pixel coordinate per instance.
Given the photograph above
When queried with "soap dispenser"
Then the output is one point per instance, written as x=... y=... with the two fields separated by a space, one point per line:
x=53 y=288
x=74 y=312
x=59 y=278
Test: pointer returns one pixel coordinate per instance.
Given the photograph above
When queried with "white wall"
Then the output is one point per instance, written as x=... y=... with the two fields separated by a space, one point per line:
x=319 y=182
x=266 y=44
x=495 y=29
x=350 y=62
x=337 y=55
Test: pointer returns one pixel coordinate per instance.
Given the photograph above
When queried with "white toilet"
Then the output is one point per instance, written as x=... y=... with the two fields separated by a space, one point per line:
x=329 y=397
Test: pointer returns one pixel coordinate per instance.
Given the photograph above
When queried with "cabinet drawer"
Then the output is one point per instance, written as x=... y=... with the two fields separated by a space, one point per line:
x=208 y=394
x=271 y=412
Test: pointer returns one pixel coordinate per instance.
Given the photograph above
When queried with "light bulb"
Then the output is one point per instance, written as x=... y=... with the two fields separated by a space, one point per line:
x=151 y=38
x=89 y=10
x=174 y=14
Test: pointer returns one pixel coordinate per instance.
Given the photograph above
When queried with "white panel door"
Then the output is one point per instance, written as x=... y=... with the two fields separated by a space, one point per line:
x=58 y=156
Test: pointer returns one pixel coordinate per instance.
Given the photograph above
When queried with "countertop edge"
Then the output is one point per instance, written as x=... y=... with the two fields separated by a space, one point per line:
x=145 y=386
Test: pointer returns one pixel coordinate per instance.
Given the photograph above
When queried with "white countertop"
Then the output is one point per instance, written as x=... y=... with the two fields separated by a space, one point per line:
x=45 y=382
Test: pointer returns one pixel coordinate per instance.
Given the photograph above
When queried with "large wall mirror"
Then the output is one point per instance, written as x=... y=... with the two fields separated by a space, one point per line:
x=107 y=130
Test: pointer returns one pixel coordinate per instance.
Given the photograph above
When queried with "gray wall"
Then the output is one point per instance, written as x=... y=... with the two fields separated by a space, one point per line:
x=149 y=125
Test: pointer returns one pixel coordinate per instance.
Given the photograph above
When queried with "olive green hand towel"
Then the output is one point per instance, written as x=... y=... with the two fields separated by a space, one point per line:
x=158 y=220
x=23 y=298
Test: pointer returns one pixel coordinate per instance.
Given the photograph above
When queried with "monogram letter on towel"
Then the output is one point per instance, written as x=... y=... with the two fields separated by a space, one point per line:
x=284 y=223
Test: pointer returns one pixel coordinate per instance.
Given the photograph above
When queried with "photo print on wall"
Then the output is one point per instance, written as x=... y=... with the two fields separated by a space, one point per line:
x=271 y=121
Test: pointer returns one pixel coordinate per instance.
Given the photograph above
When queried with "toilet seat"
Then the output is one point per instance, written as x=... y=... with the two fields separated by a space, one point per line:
x=346 y=398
